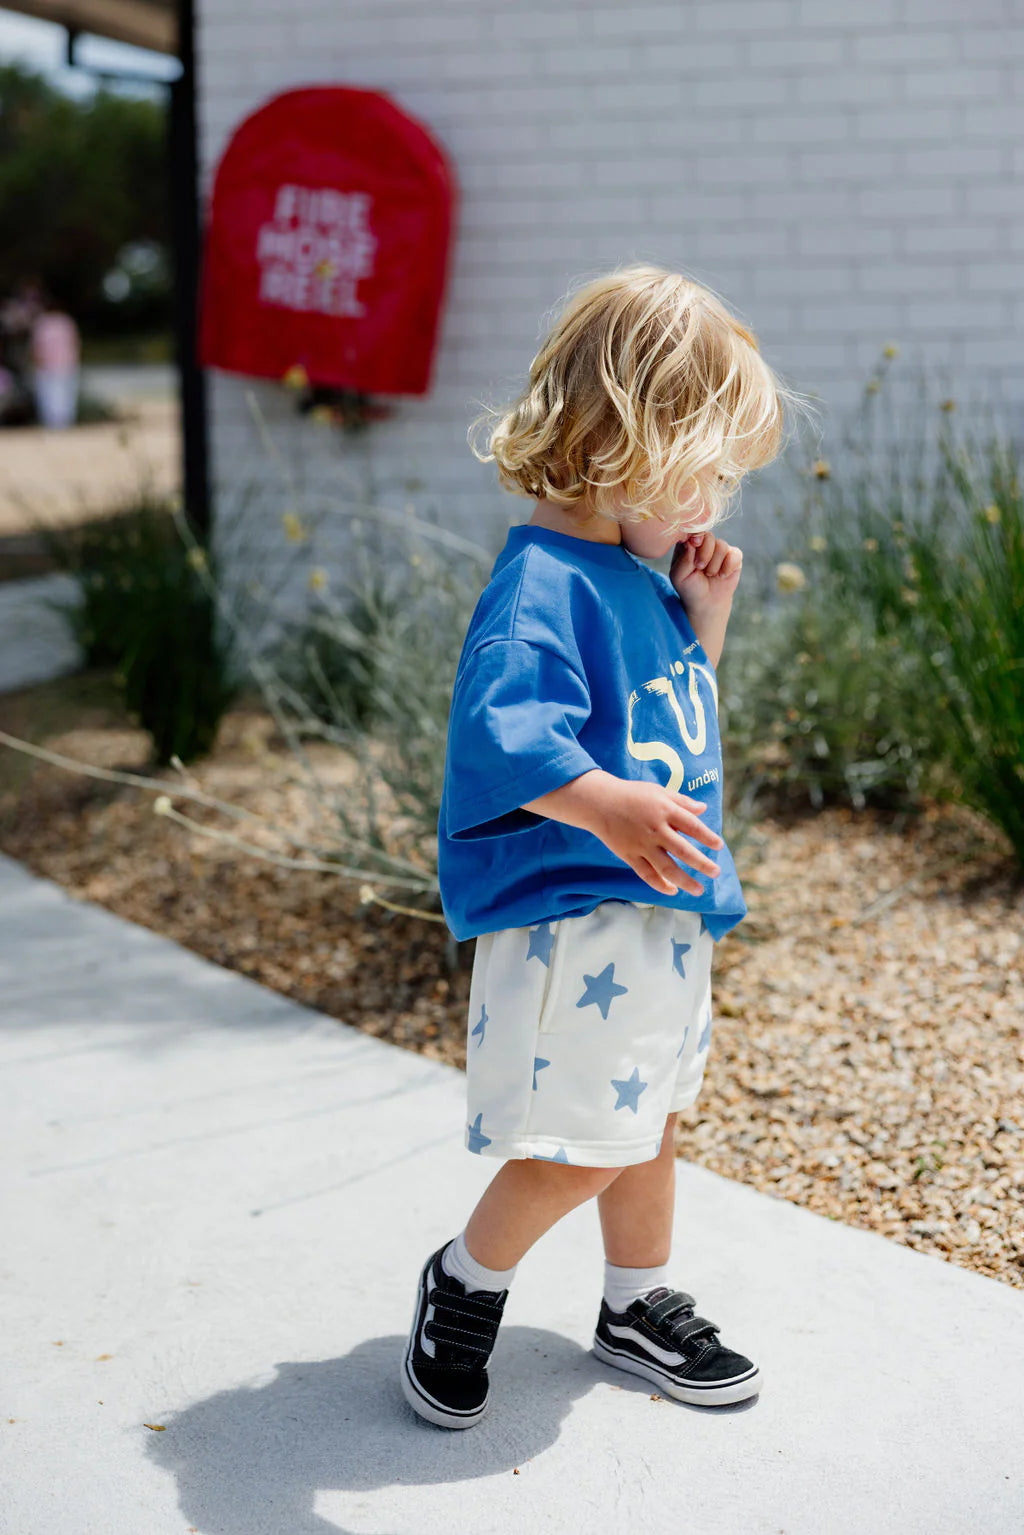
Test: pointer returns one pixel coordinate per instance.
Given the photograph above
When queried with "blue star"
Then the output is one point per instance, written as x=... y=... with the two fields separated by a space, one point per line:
x=559 y=1156
x=678 y=950
x=705 y=1038
x=686 y=1033
x=602 y=989
x=541 y=942
x=481 y=1026
x=538 y=1065
x=629 y=1091
x=477 y=1139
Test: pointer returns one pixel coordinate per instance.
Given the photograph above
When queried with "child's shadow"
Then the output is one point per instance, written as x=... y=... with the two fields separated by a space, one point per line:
x=254 y=1459
x=250 y=1461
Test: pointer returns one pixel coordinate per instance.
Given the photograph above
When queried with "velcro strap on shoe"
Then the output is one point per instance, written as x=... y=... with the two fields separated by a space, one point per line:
x=693 y=1327
x=669 y=1306
x=669 y=1317
x=471 y=1305
x=459 y=1337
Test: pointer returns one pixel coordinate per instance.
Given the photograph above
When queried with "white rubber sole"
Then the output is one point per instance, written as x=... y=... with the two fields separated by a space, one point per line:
x=421 y=1401
x=701 y=1396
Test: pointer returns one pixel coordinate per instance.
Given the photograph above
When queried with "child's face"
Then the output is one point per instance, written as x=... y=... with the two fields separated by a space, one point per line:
x=671 y=523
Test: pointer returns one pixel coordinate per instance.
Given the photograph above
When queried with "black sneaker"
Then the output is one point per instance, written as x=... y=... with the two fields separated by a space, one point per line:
x=658 y=1336
x=450 y=1386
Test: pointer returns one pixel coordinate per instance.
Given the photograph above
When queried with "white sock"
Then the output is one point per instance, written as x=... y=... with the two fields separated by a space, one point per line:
x=457 y=1261
x=622 y=1286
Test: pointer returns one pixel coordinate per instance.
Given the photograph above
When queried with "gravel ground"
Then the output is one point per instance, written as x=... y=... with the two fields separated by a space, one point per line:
x=868 y=1053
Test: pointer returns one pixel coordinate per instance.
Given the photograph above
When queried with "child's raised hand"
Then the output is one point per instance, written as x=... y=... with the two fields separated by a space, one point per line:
x=643 y=823
x=705 y=571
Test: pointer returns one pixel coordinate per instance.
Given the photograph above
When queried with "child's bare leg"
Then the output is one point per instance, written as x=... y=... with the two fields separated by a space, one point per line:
x=523 y=1200
x=636 y=1210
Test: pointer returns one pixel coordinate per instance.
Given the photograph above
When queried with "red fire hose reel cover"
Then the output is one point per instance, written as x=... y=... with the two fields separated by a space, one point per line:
x=327 y=244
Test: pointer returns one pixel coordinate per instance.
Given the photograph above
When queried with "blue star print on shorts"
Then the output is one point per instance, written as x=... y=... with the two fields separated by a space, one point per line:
x=629 y=1091
x=602 y=989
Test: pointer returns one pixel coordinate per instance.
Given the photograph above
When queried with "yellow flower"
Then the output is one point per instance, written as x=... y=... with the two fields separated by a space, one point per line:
x=822 y=468
x=324 y=269
x=789 y=578
x=891 y=350
x=317 y=580
x=162 y=805
x=948 y=405
x=818 y=543
x=992 y=513
x=295 y=532
x=296 y=377
x=197 y=558
x=321 y=415
x=871 y=545
x=872 y=386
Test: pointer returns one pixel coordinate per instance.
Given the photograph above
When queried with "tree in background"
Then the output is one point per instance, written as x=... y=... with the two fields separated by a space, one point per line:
x=84 y=201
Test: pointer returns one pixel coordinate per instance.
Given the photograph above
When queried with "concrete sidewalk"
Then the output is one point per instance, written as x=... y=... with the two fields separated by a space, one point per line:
x=215 y=1207
x=36 y=642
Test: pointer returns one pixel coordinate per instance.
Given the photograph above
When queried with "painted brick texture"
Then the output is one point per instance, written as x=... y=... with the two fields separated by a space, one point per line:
x=843 y=175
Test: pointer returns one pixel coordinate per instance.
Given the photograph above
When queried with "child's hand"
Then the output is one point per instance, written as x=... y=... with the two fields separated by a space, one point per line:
x=643 y=823
x=705 y=571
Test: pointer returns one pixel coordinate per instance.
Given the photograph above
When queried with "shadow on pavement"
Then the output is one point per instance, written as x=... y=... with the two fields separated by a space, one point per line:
x=251 y=1461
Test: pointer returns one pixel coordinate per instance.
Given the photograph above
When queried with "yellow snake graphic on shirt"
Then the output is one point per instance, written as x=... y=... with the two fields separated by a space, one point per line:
x=695 y=740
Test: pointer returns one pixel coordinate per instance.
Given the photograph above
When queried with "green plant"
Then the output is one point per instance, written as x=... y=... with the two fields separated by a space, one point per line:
x=142 y=609
x=374 y=675
x=818 y=708
x=925 y=538
x=110 y=559
x=334 y=657
x=960 y=603
x=177 y=672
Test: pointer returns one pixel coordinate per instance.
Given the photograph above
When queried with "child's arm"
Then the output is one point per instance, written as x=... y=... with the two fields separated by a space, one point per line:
x=705 y=572
x=640 y=822
x=643 y=822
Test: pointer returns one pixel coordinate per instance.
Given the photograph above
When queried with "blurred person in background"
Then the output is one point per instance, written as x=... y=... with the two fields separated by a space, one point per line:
x=56 y=353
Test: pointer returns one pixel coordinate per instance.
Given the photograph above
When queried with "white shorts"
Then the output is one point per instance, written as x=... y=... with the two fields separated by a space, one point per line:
x=584 y=1033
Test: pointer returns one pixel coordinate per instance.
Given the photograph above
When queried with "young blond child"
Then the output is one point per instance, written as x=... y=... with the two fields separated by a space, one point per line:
x=579 y=835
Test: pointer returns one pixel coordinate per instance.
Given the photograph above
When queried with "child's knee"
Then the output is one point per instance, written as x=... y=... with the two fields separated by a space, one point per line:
x=586 y=1182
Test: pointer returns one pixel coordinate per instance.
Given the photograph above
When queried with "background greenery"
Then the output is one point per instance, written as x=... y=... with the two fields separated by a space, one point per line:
x=81 y=181
x=143 y=608
x=890 y=666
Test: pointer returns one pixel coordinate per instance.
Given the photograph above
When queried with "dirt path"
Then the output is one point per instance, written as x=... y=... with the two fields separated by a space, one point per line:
x=58 y=477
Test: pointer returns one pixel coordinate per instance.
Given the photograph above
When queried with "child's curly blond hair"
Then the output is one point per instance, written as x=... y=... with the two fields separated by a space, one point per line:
x=644 y=388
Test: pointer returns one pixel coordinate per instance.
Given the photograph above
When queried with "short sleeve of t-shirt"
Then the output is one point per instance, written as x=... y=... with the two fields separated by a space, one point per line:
x=517 y=709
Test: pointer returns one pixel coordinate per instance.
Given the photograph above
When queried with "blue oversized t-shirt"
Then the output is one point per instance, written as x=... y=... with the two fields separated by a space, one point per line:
x=577 y=656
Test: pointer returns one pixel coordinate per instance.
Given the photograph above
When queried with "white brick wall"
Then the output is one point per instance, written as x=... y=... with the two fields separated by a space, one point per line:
x=845 y=175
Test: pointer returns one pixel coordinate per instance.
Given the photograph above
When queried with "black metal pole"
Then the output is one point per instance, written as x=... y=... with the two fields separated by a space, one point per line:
x=187 y=246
